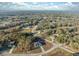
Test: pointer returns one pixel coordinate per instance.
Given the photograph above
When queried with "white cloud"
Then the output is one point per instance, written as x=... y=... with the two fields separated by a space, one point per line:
x=56 y=7
x=35 y=3
x=69 y=4
x=20 y=3
x=41 y=6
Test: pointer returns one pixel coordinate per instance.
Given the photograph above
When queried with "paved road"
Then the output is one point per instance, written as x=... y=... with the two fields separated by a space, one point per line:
x=11 y=50
x=62 y=46
x=42 y=49
x=66 y=49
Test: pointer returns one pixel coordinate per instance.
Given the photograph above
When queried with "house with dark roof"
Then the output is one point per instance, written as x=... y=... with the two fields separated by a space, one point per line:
x=36 y=43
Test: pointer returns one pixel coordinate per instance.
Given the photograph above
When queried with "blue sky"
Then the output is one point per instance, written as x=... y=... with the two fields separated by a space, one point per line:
x=39 y=6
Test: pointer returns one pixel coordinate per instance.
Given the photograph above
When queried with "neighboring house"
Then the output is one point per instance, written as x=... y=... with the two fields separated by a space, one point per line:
x=36 y=43
x=9 y=43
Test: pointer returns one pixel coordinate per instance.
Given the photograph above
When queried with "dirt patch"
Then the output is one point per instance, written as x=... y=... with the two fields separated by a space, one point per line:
x=47 y=46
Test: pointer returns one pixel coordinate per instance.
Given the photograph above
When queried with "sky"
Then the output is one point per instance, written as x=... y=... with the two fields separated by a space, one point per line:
x=74 y=6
